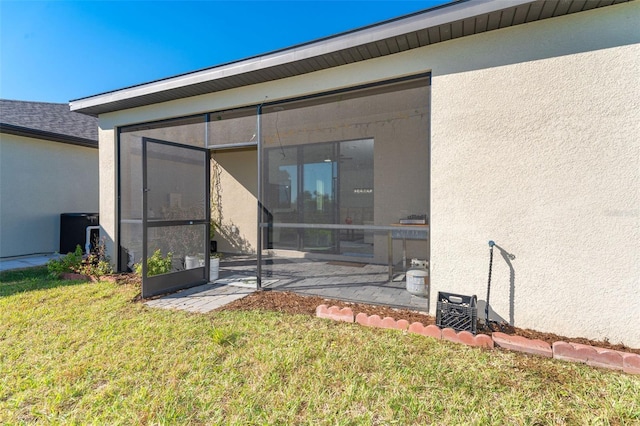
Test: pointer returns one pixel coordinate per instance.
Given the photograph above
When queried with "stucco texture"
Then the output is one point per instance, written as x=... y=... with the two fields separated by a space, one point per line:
x=543 y=157
x=39 y=180
x=236 y=209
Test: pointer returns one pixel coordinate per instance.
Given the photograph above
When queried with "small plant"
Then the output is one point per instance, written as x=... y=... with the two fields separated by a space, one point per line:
x=71 y=262
x=156 y=264
x=97 y=263
x=222 y=337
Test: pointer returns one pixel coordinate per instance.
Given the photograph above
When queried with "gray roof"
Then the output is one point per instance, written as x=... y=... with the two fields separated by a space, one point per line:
x=49 y=121
x=459 y=18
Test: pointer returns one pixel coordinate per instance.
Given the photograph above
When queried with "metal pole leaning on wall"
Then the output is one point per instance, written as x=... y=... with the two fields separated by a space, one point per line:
x=259 y=196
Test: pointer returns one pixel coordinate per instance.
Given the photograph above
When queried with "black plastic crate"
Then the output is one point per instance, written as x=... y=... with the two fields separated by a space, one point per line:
x=457 y=311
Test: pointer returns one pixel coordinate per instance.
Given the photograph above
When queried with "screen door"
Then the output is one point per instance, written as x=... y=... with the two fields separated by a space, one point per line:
x=175 y=216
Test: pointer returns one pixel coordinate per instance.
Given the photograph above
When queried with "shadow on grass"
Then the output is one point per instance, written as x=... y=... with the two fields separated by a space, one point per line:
x=29 y=279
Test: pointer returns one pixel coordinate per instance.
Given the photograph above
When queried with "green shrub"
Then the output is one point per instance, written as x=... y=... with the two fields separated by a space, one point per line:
x=71 y=262
x=156 y=264
x=96 y=264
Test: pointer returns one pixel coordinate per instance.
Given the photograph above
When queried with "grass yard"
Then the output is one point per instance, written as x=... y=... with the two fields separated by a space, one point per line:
x=77 y=353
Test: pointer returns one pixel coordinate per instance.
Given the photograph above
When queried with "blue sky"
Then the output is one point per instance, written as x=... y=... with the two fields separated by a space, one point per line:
x=56 y=51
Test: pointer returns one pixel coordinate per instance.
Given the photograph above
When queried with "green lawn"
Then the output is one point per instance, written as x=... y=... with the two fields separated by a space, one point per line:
x=78 y=353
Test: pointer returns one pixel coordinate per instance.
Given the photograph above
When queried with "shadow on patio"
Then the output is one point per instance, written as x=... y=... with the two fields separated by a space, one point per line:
x=348 y=281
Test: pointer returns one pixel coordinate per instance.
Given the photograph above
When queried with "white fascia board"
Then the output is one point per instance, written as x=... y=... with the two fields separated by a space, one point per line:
x=432 y=18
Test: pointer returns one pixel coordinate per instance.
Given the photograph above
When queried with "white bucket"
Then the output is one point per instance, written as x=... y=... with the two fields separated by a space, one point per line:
x=214 y=268
x=191 y=262
x=418 y=282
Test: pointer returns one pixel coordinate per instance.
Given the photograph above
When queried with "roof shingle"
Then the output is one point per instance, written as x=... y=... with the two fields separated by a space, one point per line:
x=48 y=119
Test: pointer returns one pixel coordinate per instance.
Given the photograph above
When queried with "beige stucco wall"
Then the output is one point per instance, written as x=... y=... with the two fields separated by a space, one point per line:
x=108 y=188
x=543 y=157
x=39 y=180
x=533 y=144
x=237 y=213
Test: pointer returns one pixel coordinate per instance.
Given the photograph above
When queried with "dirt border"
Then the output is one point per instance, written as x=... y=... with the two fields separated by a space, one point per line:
x=293 y=303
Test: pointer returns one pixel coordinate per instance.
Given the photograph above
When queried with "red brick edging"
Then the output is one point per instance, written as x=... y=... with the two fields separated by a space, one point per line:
x=334 y=313
x=522 y=344
x=597 y=357
x=573 y=352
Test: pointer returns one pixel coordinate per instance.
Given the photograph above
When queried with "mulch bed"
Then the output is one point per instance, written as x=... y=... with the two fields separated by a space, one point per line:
x=293 y=303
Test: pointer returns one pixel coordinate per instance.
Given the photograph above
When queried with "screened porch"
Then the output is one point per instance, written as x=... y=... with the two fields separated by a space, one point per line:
x=328 y=191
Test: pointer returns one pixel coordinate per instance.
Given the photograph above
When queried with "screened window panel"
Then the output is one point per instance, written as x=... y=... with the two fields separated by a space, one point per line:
x=238 y=126
x=130 y=201
x=357 y=158
x=183 y=242
x=130 y=177
x=188 y=131
x=176 y=183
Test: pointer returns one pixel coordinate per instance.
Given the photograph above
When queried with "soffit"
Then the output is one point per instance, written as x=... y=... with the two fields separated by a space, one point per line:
x=453 y=20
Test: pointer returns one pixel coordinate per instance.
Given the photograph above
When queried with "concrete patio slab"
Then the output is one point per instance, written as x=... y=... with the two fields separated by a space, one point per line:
x=367 y=284
x=352 y=283
x=201 y=299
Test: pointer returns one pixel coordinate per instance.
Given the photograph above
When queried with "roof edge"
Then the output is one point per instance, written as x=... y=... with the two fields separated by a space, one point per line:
x=322 y=53
x=441 y=14
x=11 y=129
x=277 y=51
